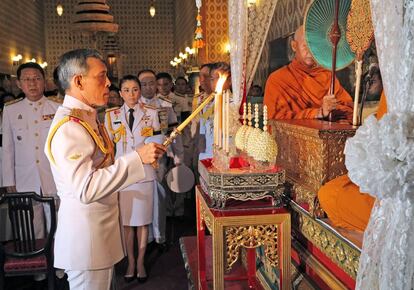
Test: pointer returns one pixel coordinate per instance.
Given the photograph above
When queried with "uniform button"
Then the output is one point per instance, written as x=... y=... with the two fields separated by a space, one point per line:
x=35 y=109
x=36 y=122
x=37 y=147
x=37 y=161
x=36 y=134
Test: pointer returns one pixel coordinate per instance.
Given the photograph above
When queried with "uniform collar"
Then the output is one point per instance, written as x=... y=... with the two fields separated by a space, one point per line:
x=169 y=96
x=146 y=101
x=37 y=103
x=126 y=108
x=71 y=102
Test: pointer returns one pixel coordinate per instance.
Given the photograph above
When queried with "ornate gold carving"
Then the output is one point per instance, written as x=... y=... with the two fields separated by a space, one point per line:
x=251 y=237
x=311 y=152
x=206 y=218
x=359 y=28
x=339 y=251
x=241 y=186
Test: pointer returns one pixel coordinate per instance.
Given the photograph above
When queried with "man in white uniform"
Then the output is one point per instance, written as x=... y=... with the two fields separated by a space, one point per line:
x=88 y=238
x=168 y=120
x=26 y=123
x=204 y=136
x=164 y=89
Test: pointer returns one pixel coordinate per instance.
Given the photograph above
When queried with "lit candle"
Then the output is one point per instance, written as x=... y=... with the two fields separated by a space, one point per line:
x=218 y=109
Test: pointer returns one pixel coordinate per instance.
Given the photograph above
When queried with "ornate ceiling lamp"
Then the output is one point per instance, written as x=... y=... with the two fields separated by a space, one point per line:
x=93 y=16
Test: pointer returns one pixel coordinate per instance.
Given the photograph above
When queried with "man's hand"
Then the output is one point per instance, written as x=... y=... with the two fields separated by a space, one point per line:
x=11 y=189
x=328 y=105
x=150 y=152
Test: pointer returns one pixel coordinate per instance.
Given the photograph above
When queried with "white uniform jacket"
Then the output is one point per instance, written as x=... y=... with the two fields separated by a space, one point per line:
x=177 y=152
x=88 y=233
x=25 y=128
x=179 y=103
x=146 y=123
x=205 y=139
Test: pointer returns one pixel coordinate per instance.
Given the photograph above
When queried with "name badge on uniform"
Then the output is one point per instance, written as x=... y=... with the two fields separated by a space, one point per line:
x=48 y=117
x=147 y=132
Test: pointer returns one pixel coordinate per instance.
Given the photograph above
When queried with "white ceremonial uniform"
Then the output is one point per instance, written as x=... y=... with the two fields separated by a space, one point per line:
x=179 y=103
x=206 y=132
x=176 y=152
x=88 y=236
x=24 y=164
x=136 y=200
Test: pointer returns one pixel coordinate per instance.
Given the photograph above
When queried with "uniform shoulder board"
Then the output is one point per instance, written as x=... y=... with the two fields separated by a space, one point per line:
x=149 y=107
x=112 y=109
x=165 y=99
x=79 y=113
x=13 y=102
x=55 y=99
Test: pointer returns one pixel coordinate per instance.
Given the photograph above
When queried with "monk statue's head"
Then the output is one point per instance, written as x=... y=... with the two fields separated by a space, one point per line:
x=299 y=46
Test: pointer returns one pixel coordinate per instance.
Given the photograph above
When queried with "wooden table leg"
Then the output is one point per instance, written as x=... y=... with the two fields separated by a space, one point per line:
x=251 y=267
x=201 y=249
x=218 y=256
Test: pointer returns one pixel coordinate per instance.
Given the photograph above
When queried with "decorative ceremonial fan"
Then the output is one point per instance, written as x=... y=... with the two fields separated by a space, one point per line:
x=318 y=24
x=359 y=33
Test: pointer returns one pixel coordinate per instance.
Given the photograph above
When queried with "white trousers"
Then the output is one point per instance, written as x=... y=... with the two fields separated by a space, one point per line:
x=159 y=219
x=90 y=280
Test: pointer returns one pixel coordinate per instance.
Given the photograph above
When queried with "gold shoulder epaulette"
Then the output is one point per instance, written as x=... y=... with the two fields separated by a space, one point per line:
x=13 y=102
x=165 y=99
x=79 y=113
x=55 y=99
x=112 y=109
x=150 y=107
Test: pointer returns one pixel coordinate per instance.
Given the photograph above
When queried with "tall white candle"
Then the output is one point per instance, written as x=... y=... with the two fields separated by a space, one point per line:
x=227 y=121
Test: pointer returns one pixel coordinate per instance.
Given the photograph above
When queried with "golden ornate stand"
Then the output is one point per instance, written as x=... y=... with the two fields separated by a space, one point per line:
x=241 y=184
x=247 y=227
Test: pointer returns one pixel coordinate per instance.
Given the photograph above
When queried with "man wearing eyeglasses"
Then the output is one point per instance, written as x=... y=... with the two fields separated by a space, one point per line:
x=26 y=122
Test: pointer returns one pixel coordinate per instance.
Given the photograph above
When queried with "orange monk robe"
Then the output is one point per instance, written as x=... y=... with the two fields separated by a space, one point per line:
x=341 y=199
x=296 y=92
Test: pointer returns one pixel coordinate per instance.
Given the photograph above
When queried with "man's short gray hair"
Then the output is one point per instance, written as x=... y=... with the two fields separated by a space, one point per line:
x=74 y=63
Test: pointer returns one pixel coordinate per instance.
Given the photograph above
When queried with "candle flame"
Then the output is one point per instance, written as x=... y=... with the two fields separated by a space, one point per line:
x=220 y=83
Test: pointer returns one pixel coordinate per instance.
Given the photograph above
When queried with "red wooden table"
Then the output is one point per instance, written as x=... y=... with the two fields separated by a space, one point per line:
x=248 y=225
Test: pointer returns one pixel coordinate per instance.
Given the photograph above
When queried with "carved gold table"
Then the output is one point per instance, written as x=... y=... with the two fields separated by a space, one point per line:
x=244 y=226
x=312 y=153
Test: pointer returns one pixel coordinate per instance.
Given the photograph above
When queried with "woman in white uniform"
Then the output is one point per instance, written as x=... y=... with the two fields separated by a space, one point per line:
x=128 y=127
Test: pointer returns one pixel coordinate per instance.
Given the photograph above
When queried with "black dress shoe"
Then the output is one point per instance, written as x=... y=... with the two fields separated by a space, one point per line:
x=129 y=279
x=142 y=279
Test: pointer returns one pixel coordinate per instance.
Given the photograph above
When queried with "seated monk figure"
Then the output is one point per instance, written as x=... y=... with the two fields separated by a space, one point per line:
x=300 y=89
x=341 y=199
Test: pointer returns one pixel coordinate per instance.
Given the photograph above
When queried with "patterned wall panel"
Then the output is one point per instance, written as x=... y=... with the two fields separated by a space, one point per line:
x=288 y=16
x=21 y=32
x=216 y=30
x=144 y=42
x=185 y=24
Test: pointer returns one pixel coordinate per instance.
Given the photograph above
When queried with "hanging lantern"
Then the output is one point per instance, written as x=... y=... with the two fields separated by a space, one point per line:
x=59 y=9
x=198 y=39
